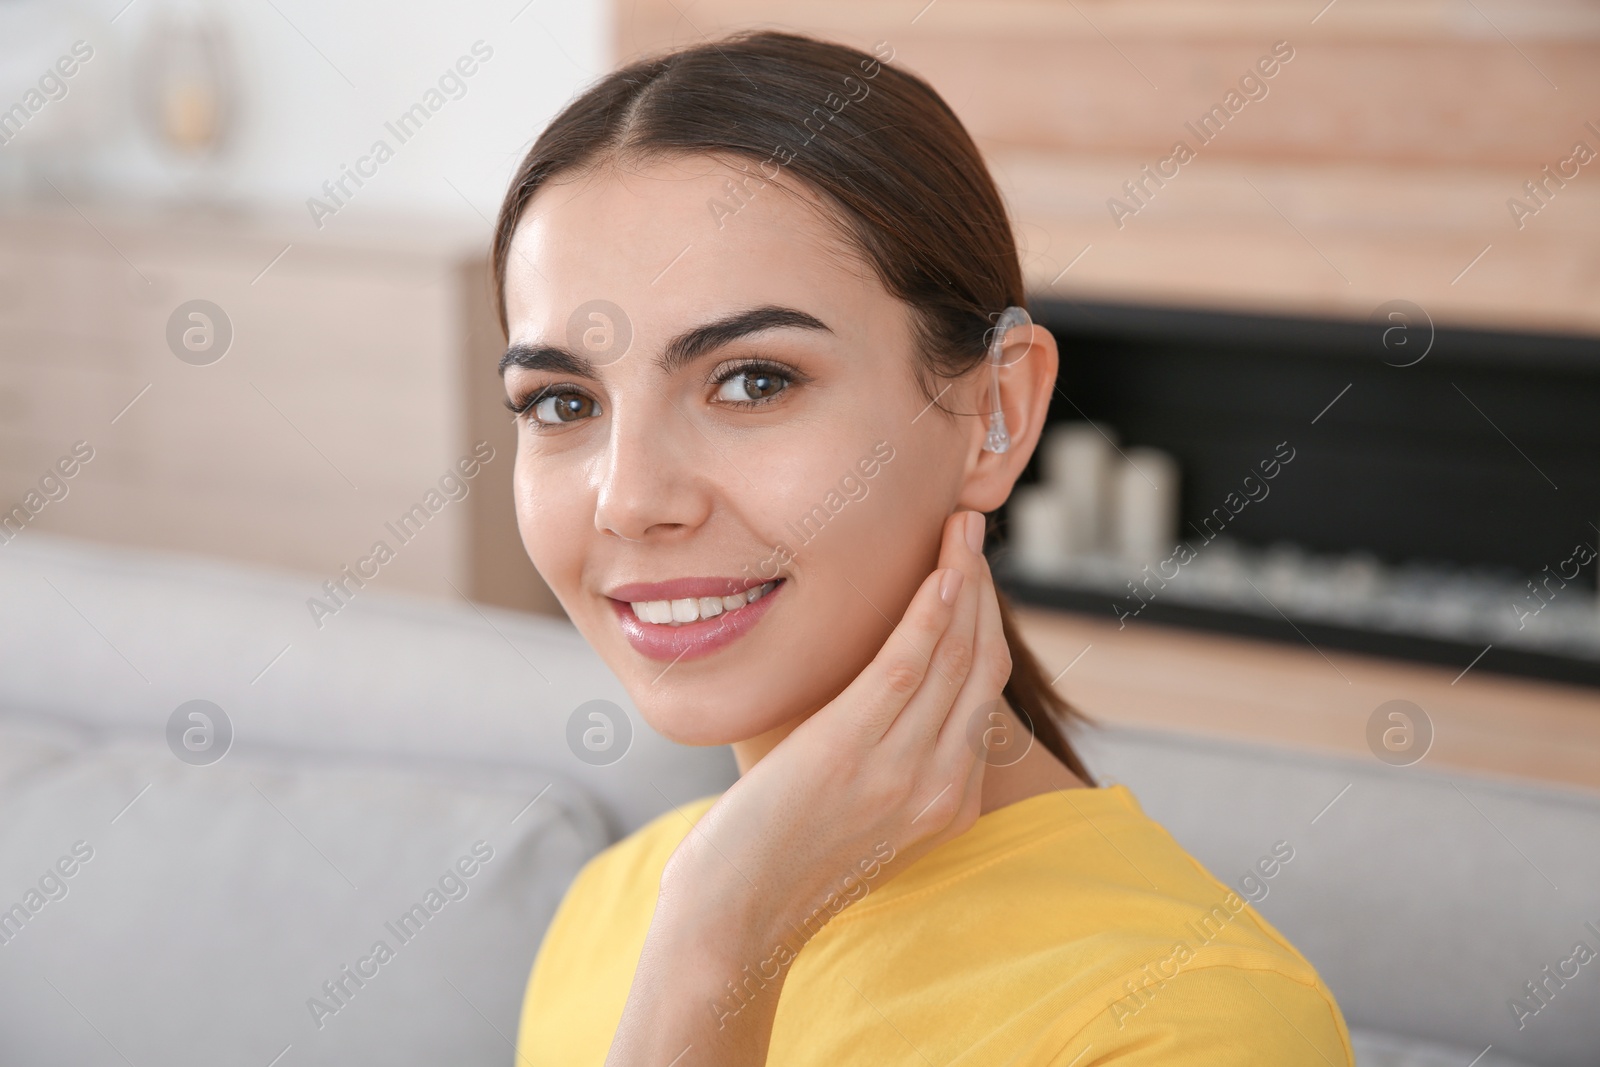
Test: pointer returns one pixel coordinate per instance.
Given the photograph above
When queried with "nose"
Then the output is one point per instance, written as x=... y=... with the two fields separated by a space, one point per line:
x=655 y=479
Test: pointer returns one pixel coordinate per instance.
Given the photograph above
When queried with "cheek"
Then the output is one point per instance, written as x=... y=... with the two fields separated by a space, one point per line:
x=885 y=544
x=856 y=574
x=553 y=516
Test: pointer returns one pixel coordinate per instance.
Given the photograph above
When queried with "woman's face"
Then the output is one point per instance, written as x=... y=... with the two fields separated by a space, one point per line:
x=723 y=401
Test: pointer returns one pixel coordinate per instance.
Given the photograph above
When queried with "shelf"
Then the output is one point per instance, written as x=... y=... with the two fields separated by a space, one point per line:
x=1305 y=632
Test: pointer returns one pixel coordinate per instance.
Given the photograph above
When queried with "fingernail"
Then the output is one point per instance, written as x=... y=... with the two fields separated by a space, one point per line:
x=975 y=531
x=950 y=584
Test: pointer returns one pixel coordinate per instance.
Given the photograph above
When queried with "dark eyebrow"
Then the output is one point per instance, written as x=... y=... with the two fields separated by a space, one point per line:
x=691 y=344
x=546 y=357
x=686 y=347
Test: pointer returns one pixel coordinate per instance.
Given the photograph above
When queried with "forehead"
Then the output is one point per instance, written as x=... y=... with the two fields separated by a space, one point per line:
x=682 y=240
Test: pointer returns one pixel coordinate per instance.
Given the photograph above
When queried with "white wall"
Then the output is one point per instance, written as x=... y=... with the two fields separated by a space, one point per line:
x=302 y=114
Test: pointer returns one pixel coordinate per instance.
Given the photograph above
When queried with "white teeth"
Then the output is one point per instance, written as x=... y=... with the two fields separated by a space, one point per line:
x=691 y=609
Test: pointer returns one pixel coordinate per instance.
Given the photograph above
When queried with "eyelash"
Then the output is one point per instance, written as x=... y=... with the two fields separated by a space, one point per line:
x=790 y=376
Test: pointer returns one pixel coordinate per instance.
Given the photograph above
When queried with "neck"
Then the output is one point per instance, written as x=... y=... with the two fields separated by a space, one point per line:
x=1005 y=781
x=748 y=753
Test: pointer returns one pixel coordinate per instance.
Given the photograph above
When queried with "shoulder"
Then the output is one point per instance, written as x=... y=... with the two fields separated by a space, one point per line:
x=1192 y=972
x=1227 y=1015
x=1109 y=933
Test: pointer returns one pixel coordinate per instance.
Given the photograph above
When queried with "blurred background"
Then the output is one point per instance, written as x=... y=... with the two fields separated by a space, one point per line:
x=1366 y=234
x=1325 y=447
x=199 y=153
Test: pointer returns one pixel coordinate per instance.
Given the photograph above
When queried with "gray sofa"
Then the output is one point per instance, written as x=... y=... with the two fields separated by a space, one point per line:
x=404 y=775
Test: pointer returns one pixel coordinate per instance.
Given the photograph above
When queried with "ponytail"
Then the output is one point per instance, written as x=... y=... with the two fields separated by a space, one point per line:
x=1036 y=702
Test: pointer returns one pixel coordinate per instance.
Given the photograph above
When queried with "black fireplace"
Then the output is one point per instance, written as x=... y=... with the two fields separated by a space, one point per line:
x=1454 y=472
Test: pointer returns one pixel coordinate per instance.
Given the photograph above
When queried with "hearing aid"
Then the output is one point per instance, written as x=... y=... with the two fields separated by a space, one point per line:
x=998 y=438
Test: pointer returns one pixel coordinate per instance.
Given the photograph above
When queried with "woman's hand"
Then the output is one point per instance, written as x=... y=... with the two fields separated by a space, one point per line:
x=878 y=777
x=886 y=765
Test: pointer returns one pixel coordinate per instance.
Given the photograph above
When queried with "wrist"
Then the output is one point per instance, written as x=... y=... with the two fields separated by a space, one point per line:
x=718 y=906
x=719 y=951
x=708 y=908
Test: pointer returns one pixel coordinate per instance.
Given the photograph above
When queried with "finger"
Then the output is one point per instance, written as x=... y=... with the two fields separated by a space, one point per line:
x=985 y=682
x=878 y=694
x=951 y=657
x=972 y=799
x=918 y=725
x=958 y=800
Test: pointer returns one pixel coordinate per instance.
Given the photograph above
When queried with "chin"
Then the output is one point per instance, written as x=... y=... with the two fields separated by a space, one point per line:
x=694 y=717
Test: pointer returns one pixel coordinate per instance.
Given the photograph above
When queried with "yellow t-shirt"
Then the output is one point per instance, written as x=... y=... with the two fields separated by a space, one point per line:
x=1067 y=929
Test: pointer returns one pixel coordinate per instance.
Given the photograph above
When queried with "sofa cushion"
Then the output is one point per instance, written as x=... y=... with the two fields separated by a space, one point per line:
x=122 y=637
x=1375 y=1049
x=181 y=914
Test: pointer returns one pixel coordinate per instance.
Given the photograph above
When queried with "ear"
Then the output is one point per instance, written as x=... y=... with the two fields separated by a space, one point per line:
x=1028 y=365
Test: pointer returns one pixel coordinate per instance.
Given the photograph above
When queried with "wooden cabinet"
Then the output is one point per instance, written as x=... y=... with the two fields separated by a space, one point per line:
x=361 y=369
x=1156 y=677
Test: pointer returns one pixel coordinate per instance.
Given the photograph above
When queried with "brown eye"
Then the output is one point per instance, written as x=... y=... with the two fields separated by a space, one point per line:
x=563 y=407
x=752 y=385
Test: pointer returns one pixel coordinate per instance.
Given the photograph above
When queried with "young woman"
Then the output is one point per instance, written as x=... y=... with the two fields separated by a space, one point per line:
x=750 y=289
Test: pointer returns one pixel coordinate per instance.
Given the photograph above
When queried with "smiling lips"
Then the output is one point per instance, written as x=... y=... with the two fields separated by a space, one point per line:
x=690 y=617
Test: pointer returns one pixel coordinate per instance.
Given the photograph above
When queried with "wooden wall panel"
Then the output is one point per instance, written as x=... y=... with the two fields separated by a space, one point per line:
x=1378 y=165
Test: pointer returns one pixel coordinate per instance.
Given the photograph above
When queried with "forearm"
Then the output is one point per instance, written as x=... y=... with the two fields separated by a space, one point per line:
x=705 y=991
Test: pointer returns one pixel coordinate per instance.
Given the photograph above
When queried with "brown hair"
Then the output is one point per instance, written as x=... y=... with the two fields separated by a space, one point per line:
x=893 y=161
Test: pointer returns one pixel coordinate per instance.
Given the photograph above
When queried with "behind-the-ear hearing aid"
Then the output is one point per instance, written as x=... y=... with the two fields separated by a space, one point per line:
x=998 y=439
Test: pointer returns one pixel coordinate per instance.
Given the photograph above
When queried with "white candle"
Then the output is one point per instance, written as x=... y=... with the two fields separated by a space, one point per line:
x=1039 y=531
x=1146 y=512
x=1078 y=460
